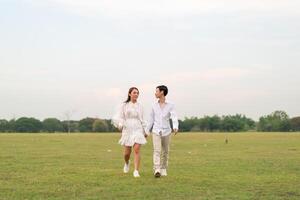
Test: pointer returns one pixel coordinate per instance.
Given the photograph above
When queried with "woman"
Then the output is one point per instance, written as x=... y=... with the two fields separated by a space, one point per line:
x=130 y=121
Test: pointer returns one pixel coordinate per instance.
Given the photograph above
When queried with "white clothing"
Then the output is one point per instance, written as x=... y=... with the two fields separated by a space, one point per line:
x=160 y=119
x=130 y=118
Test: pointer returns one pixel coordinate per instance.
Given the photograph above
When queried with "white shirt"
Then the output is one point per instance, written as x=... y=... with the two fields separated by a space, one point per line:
x=160 y=119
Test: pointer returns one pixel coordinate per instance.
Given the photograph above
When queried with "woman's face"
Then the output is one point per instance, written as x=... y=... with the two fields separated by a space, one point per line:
x=134 y=95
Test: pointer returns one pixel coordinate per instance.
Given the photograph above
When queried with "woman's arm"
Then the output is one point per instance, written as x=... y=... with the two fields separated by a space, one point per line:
x=119 y=117
x=143 y=121
x=151 y=122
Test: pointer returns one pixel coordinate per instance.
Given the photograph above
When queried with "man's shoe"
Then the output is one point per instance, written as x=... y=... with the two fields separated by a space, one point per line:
x=164 y=172
x=157 y=173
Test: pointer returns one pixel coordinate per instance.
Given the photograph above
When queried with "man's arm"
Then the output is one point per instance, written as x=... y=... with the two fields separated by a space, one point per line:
x=151 y=122
x=174 y=119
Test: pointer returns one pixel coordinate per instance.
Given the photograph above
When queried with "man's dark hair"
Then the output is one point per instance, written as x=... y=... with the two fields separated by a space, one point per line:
x=163 y=88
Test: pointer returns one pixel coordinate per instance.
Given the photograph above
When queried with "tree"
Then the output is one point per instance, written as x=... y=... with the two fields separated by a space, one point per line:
x=51 y=125
x=210 y=123
x=249 y=123
x=232 y=123
x=100 y=126
x=68 y=114
x=30 y=125
x=190 y=124
x=4 y=125
x=11 y=125
x=295 y=123
x=86 y=124
x=70 y=126
x=277 y=121
x=111 y=127
x=237 y=123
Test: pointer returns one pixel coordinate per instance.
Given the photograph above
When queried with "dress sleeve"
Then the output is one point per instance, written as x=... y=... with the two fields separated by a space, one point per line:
x=119 y=117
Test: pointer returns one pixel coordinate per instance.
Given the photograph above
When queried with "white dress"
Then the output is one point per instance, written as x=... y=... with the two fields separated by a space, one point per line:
x=130 y=118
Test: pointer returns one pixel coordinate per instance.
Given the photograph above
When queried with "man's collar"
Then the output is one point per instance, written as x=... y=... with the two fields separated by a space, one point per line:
x=166 y=101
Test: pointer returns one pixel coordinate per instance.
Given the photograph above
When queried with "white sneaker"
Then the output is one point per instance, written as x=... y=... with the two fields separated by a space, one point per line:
x=126 y=168
x=157 y=173
x=136 y=174
x=164 y=172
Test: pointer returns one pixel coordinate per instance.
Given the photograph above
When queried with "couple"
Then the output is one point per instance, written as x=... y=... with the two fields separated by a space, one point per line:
x=130 y=121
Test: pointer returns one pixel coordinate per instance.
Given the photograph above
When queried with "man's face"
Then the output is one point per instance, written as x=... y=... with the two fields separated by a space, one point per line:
x=158 y=93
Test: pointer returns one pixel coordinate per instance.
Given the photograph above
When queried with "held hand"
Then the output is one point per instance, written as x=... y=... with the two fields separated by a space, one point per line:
x=120 y=127
x=175 y=131
x=146 y=133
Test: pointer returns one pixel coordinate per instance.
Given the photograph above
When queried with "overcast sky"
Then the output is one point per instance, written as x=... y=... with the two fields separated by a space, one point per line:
x=216 y=56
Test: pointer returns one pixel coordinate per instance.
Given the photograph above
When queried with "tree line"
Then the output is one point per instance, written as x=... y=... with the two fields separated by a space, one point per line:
x=51 y=125
x=278 y=121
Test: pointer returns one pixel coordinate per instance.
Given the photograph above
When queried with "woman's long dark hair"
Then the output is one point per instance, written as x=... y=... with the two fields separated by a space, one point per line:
x=129 y=92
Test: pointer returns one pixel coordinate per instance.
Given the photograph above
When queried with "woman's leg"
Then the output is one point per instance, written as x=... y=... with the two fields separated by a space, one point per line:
x=137 y=156
x=127 y=152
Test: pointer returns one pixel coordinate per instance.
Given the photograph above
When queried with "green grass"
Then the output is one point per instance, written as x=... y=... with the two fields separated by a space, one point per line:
x=202 y=166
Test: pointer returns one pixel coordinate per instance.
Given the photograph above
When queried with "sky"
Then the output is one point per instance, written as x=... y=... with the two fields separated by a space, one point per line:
x=81 y=56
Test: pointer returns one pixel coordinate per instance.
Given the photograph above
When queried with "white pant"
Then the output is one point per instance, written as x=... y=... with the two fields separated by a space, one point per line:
x=160 y=151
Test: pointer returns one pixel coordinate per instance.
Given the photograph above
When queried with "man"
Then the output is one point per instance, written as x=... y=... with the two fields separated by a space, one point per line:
x=161 y=113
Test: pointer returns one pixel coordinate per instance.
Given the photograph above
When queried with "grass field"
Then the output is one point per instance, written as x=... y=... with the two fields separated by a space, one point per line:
x=202 y=166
